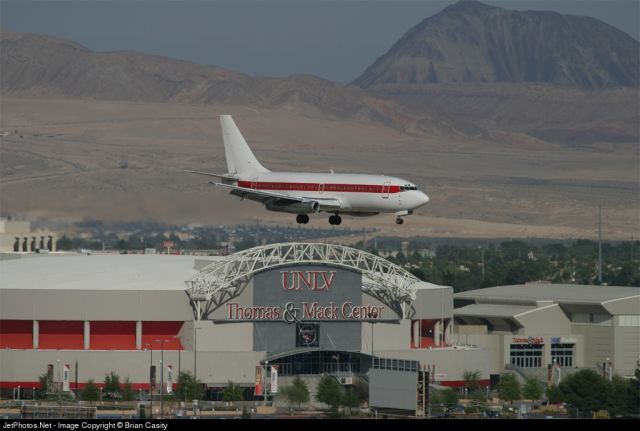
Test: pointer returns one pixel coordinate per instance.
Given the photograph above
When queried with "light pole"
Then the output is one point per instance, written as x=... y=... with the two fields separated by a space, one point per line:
x=33 y=394
x=150 y=380
x=179 y=369
x=195 y=352
x=161 y=377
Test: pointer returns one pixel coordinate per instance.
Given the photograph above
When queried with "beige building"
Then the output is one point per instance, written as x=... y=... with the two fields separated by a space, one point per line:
x=17 y=236
x=533 y=326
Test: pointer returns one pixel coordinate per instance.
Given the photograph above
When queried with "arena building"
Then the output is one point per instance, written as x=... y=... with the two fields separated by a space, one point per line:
x=304 y=308
x=549 y=330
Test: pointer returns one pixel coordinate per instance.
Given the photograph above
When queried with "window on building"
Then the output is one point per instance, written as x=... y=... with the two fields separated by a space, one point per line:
x=526 y=355
x=562 y=354
x=629 y=320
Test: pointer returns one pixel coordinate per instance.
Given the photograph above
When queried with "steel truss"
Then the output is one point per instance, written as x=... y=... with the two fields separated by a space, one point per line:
x=223 y=280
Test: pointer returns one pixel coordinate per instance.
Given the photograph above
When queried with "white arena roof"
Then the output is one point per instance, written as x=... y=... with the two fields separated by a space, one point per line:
x=98 y=271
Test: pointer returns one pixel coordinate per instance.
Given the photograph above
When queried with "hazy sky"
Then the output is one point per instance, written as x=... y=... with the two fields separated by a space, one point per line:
x=336 y=40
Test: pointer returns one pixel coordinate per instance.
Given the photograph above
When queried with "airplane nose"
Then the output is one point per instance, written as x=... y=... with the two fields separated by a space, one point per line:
x=421 y=199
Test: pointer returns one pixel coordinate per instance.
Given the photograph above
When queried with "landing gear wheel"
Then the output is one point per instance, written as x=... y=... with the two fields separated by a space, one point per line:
x=332 y=220
x=299 y=218
x=304 y=218
x=399 y=220
x=338 y=219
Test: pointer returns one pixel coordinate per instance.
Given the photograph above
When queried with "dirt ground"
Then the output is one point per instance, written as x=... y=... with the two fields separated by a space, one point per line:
x=123 y=161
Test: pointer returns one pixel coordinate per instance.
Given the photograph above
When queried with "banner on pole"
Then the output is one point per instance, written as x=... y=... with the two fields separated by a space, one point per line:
x=169 y=379
x=258 y=390
x=274 y=380
x=65 y=378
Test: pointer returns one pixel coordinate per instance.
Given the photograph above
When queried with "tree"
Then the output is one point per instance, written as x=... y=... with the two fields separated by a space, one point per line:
x=127 y=390
x=64 y=243
x=245 y=413
x=112 y=385
x=554 y=396
x=296 y=393
x=90 y=391
x=532 y=389
x=44 y=384
x=449 y=398
x=232 y=392
x=471 y=380
x=623 y=397
x=509 y=388
x=350 y=399
x=188 y=387
x=585 y=391
x=329 y=392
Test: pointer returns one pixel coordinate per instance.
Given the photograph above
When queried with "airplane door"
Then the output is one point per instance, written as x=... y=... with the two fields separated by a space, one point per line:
x=254 y=183
x=385 y=190
x=320 y=188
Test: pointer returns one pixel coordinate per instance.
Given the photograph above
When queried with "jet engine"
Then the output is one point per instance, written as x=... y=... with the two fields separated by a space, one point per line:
x=306 y=207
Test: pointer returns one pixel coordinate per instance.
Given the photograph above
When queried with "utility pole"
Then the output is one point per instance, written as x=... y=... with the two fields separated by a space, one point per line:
x=600 y=245
x=77 y=397
x=151 y=381
x=161 y=377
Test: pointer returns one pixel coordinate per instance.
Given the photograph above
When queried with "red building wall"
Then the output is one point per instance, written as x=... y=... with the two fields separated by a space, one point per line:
x=16 y=334
x=112 y=336
x=61 y=334
x=152 y=331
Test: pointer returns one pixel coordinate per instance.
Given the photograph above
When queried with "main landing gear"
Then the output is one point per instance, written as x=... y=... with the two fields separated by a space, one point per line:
x=335 y=220
x=399 y=220
x=302 y=218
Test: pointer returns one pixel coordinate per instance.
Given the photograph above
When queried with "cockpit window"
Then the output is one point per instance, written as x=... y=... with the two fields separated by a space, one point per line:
x=407 y=187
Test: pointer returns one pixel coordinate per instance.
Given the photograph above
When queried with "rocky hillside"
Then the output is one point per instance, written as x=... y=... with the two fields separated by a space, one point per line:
x=470 y=42
x=49 y=67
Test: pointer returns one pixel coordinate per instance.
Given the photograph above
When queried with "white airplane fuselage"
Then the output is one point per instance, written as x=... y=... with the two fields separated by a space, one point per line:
x=356 y=193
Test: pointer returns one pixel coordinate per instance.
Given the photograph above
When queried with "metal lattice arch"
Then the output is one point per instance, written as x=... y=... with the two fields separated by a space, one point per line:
x=222 y=280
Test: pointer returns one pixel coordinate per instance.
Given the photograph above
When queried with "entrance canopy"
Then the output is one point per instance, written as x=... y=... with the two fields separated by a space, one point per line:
x=381 y=279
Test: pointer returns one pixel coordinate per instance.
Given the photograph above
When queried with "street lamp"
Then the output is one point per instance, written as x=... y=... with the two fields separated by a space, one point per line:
x=161 y=377
x=150 y=380
x=33 y=394
x=195 y=353
x=179 y=368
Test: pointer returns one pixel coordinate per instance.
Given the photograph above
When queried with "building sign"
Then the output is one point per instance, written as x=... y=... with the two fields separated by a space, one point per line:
x=307 y=280
x=65 y=378
x=529 y=340
x=438 y=377
x=301 y=294
x=274 y=380
x=291 y=313
x=564 y=340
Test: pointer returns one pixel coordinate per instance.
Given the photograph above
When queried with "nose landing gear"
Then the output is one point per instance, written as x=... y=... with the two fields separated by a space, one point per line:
x=335 y=220
x=302 y=218
x=399 y=220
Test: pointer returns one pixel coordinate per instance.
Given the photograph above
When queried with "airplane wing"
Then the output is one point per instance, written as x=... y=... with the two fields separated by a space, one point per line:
x=223 y=177
x=263 y=196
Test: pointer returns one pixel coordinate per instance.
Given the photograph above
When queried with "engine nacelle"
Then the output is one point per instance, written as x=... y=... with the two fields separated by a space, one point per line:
x=307 y=207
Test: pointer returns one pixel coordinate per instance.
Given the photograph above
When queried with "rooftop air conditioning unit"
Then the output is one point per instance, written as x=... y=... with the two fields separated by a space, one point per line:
x=346 y=380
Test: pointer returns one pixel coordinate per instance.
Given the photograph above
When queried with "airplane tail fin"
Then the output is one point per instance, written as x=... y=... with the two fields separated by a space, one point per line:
x=240 y=159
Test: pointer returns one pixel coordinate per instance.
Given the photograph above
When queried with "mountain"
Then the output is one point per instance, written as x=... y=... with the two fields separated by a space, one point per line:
x=470 y=42
x=48 y=67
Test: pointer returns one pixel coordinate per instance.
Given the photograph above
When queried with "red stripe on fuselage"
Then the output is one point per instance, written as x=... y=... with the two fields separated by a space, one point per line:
x=315 y=187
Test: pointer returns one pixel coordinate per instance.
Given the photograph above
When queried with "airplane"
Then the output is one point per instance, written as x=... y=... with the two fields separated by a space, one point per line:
x=303 y=193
